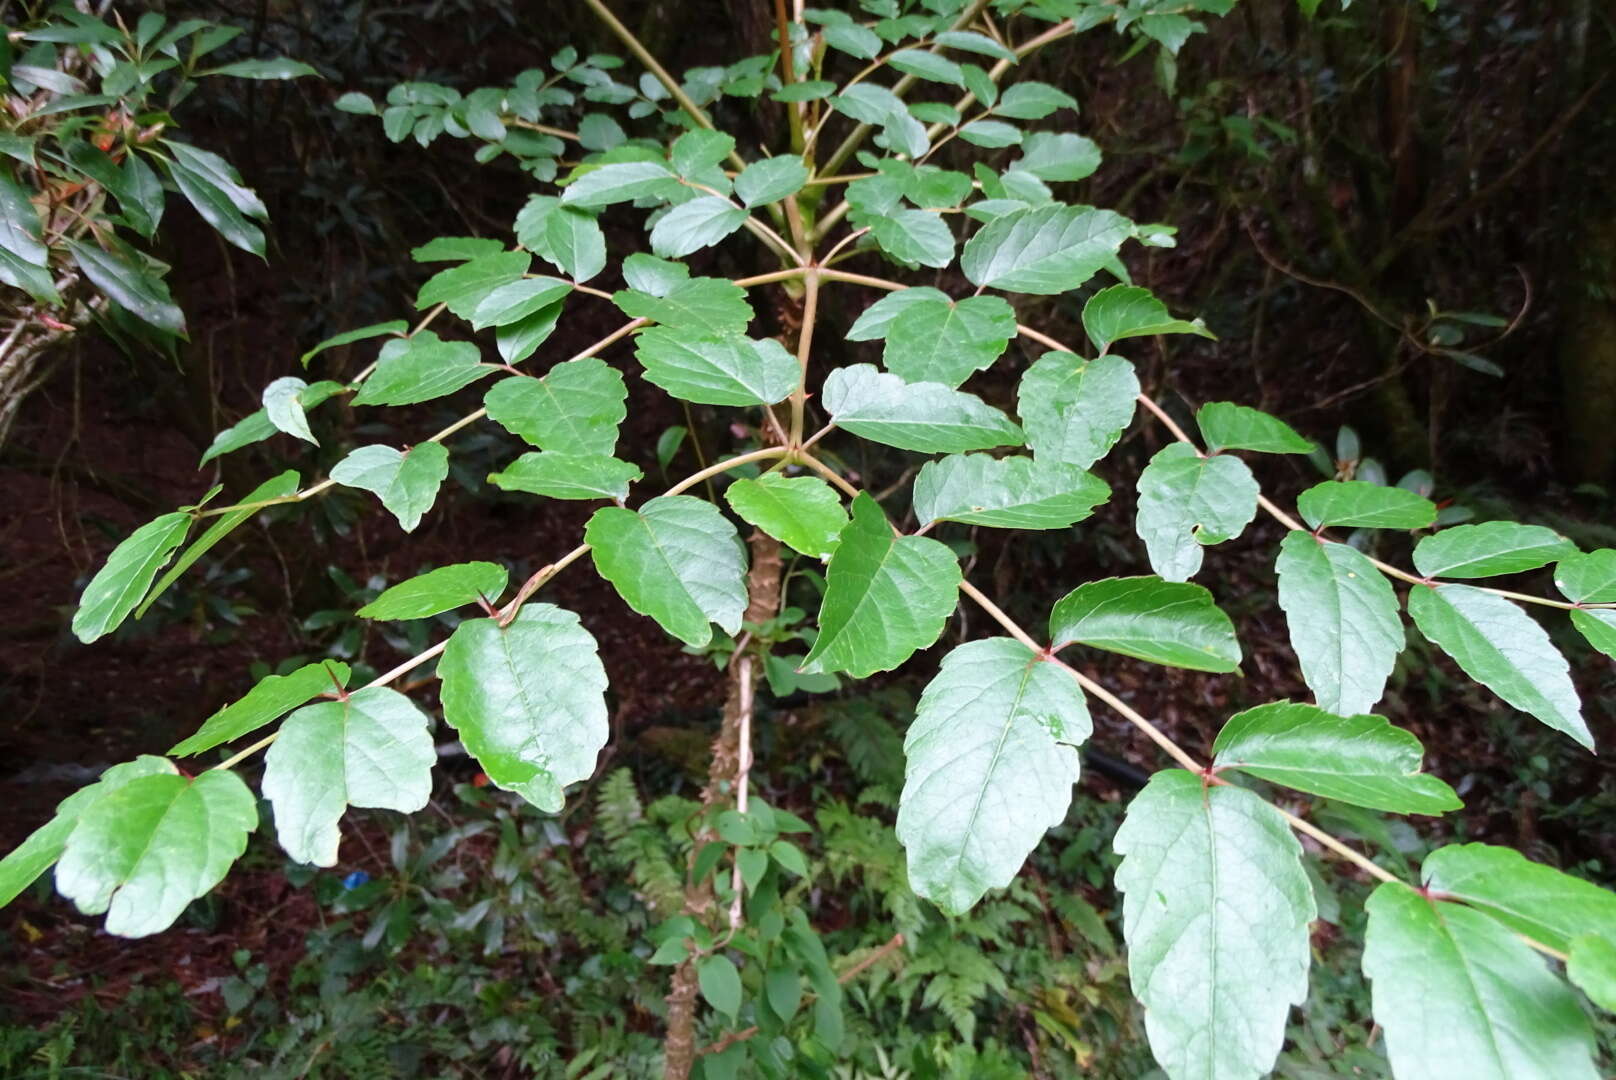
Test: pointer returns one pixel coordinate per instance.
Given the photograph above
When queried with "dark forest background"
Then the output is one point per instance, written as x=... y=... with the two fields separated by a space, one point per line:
x=1341 y=186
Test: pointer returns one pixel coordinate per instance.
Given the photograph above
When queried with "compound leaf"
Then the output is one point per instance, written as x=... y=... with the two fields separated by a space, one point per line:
x=1227 y=426
x=946 y=342
x=420 y=368
x=1127 y=311
x=567 y=476
x=1547 y=905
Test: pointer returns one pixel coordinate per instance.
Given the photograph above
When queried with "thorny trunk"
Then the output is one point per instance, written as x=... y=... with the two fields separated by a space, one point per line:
x=727 y=771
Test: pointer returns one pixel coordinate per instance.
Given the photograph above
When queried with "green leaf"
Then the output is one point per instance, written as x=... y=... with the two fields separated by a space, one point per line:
x=574 y=242
x=421 y=368
x=1187 y=502
x=720 y=984
x=852 y=39
x=885 y=596
x=437 y=591
x=285 y=411
x=981 y=44
x=621 y=182
x=118 y=274
x=461 y=288
x=1163 y=622
x=1227 y=426
x=1591 y=968
x=927 y=65
x=677 y=560
x=146 y=850
x=1075 y=410
x=272 y=697
x=456 y=249
x=710 y=307
x=1460 y=996
x=24 y=863
x=770 y=180
x=1058 y=157
x=1044 y=250
x=914 y=237
x=992 y=134
x=927 y=417
x=1127 y=311
x=516 y=301
x=730 y=369
x=1494 y=547
x=1587 y=579
x=1547 y=905
x=373 y=749
x=1033 y=101
x=528 y=700
x=406 y=482
x=575 y=408
x=560 y=475
x=1006 y=493
x=275 y=68
x=520 y=339
x=811 y=90
x=98 y=166
x=698 y=150
x=946 y=342
x=991 y=758
x=128 y=572
x=1215 y=912
x=274 y=488
x=802 y=512
x=363 y=333
x=877 y=320
x=255 y=427
x=1504 y=649
x=214 y=188
x=1362 y=760
x=1343 y=621
x=24 y=259
x=1358 y=504
x=691 y=226
x=1598 y=628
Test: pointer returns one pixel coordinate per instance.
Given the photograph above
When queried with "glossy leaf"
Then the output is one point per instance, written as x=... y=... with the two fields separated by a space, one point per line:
x=1504 y=649
x=1187 y=502
x=274 y=488
x=461 y=288
x=1598 y=628
x=802 y=512
x=421 y=368
x=990 y=761
x=1075 y=410
x=255 y=426
x=528 y=700
x=126 y=575
x=1362 y=760
x=621 y=182
x=24 y=258
x=1164 y=622
x=727 y=370
x=1006 y=493
x=574 y=408
x=1461 y=998
x=1215 y=913
x=1494 y=547
x=24 y=863
x=946 y=342
x=147 y=849
x=372 y=750
x=270 y=698
x=567 y=476
x=406 y=482
x=709 y=307
x=131 y=283
x=1358 y=504
x=676 y=559
x=927 y=417
x=1587 y=579
x=437 y=591
x=885 y=597
x=691 y=226
x=877 y=320
x=213 y=187
x=1127 y=311
x=1044 y=250
x=1343 y=620
x=1547 y=905
x=516 y=301
x=1227 y=426
x=574 y=242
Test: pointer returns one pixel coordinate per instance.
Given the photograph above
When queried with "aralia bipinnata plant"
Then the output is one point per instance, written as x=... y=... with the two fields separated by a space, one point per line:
x=1472 y=966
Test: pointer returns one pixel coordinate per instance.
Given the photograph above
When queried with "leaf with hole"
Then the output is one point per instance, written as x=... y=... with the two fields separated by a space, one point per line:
x=990 y=761
x=528 y=700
